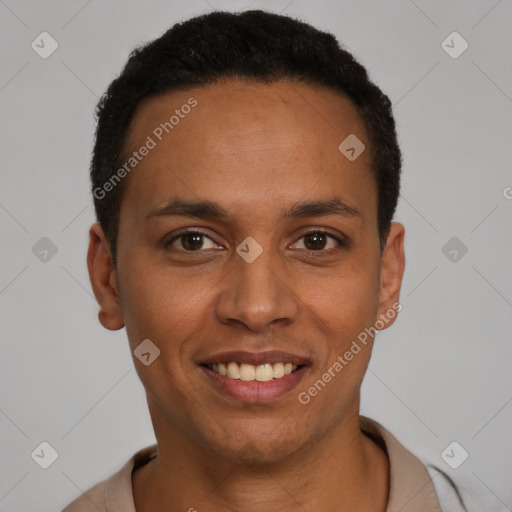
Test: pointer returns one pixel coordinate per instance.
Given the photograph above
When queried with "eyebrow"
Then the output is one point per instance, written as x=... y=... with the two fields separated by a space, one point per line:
x=204 y=209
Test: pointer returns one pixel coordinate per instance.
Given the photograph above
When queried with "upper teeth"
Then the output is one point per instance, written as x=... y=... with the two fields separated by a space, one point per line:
x=248 y=372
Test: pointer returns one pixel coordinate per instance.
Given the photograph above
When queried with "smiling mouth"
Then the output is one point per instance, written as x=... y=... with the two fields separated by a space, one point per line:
x=249 y=372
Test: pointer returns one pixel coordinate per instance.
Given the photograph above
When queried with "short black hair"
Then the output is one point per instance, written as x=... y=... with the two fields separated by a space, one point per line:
x=255 y=46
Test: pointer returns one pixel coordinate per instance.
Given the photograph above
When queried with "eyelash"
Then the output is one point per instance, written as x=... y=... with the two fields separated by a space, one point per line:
x=341 y=243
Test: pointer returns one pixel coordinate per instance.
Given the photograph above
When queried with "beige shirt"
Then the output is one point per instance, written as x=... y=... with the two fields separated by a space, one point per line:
x=411 y=487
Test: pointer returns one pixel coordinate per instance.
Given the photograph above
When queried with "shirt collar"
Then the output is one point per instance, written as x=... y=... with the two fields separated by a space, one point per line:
x=410 y=488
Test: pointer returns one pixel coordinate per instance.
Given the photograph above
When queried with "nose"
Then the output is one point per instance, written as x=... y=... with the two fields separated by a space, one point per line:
x=257 y=294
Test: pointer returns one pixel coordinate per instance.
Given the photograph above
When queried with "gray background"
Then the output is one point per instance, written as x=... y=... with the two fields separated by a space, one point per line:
x=441 y=374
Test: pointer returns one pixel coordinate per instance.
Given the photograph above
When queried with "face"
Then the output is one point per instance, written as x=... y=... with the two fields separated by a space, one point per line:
x=248 y=245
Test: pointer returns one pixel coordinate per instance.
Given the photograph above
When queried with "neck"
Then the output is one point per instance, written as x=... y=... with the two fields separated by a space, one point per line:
x=345 y=470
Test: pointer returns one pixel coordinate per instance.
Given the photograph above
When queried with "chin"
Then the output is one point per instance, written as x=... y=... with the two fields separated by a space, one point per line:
x=258 y=448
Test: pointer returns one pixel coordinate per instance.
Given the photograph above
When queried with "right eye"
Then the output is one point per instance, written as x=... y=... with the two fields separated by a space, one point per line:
x=190 y=241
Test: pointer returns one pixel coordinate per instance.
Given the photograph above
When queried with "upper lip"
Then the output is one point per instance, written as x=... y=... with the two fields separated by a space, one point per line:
x=256 y=358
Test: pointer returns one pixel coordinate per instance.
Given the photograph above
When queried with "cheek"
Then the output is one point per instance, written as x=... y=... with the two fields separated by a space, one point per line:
x=160 y=304
x=166 y=308
x=345 y=303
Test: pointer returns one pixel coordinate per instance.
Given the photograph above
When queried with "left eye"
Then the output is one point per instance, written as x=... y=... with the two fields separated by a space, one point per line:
x=317 y=241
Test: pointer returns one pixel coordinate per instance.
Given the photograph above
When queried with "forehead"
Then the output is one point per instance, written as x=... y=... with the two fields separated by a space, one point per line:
x=248 y=140
x=302 y=110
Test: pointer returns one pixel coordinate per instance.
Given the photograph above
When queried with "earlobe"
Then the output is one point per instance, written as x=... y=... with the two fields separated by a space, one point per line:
x=392 y=271
x=103 y=279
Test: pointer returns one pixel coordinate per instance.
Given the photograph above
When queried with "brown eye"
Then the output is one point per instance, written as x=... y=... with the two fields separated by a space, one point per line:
x=318 y=241
x=315 y=241
x=191 y=241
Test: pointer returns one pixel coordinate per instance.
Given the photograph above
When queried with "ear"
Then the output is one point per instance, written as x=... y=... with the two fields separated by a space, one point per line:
x=391 y=273
x=104 y=279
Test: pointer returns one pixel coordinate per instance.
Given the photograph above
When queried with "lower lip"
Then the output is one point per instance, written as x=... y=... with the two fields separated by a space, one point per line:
x=255 y=391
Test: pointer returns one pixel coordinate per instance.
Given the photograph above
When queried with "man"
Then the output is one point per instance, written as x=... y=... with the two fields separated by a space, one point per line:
x=245 y=176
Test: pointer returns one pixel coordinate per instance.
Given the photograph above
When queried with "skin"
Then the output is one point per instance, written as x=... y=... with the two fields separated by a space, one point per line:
x=254 y=149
